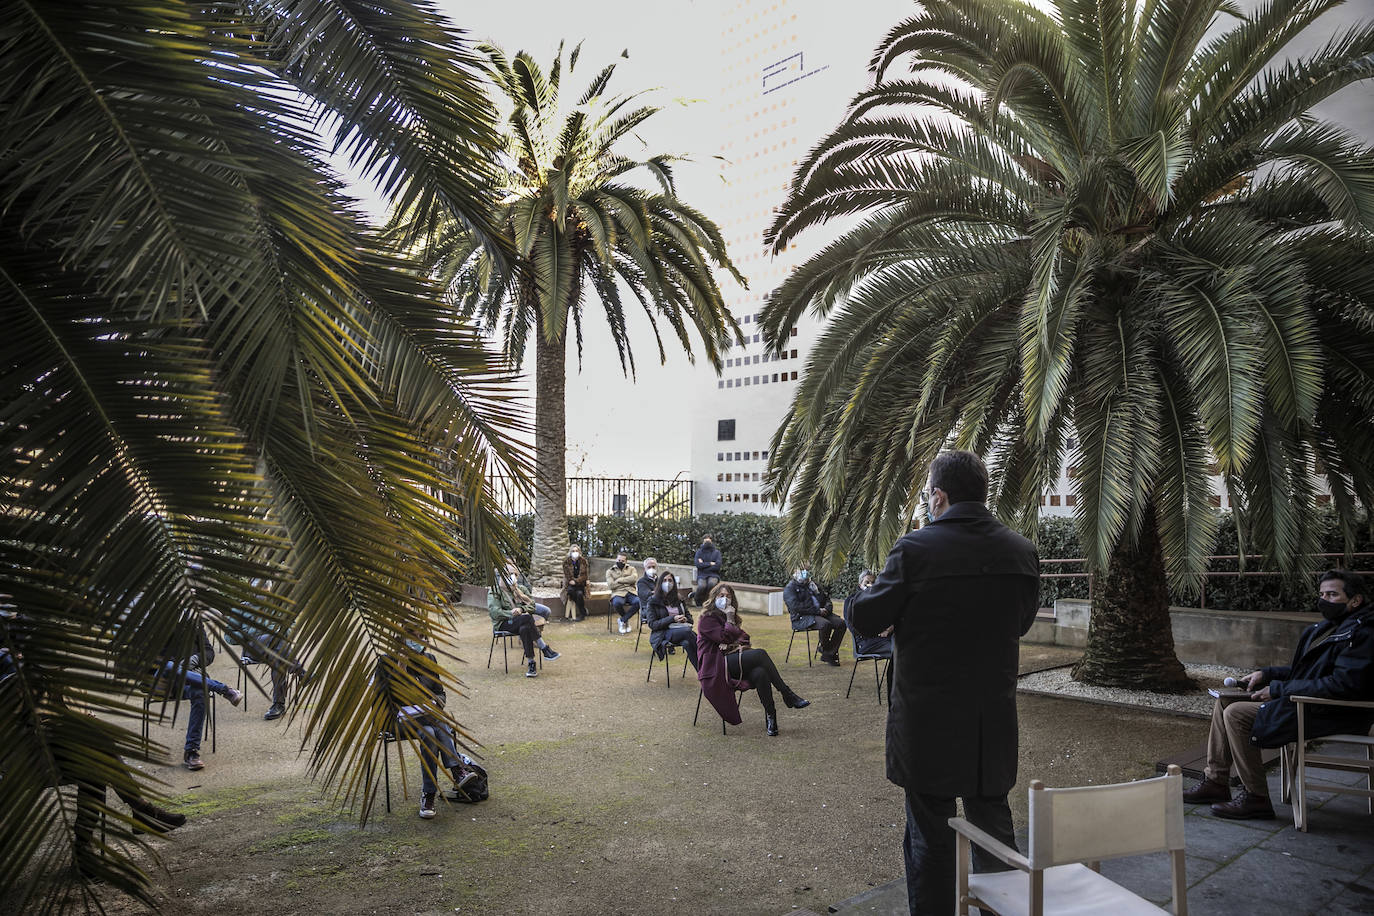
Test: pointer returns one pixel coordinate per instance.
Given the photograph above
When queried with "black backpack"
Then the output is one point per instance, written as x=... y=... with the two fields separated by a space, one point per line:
x=476 y=790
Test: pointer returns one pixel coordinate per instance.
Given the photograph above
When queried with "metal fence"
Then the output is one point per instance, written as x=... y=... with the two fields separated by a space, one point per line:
x=621 y=496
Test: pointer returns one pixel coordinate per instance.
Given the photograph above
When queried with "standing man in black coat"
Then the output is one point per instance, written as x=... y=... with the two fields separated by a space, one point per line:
x=961 y=592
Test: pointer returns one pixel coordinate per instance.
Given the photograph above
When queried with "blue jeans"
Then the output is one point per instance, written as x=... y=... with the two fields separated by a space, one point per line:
x=436 y=749
x=194 y=691
x=929 y=846
x=542 y=610
x=626 y=606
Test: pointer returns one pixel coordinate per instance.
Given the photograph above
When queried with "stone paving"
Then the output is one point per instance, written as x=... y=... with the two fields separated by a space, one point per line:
x=1241 y=868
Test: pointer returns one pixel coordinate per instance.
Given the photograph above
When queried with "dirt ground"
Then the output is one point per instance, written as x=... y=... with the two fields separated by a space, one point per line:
x=604 y=798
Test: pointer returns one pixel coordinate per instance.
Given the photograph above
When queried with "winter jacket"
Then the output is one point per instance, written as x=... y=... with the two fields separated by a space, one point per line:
x=804 y=604
x=867 y=645
x=645 y=588
x=1339 y=668
x=621 y=581
x=961 y=592
x=707 y=562
x=501 y=604
x=575 y=572
x=660 y=614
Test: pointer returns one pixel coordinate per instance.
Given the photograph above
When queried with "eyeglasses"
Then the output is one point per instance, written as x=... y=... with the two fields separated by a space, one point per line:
x=927 y=494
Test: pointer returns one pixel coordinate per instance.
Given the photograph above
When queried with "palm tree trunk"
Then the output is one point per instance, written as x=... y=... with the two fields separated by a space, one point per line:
x=1130 y=636
x=550 y=462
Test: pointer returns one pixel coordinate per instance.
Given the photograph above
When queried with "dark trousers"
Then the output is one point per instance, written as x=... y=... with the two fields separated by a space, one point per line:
x=929 y=846
x=523 y=625
x=577 y=594
x=626 y=606
x=830 y=630
x=275 y=654
x=680 y=636
x=756 y=667
x=704 y=586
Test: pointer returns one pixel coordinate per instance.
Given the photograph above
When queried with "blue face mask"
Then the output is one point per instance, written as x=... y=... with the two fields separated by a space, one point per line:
x=414 y=646
x=803 y=575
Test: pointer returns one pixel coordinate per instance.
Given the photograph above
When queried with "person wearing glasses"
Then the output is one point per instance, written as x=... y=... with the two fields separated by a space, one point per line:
x=958 y=593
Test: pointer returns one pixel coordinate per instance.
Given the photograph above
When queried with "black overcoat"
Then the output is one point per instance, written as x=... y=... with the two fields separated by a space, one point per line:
x=962 y=591
x=1341 y=667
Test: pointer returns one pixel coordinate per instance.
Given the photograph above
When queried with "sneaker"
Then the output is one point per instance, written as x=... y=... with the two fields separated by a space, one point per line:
x=468 y=776
x=235 y=697
x=533 y=670
x=1246 y=807
x=275 y=711
x=1206 y=792
x=623 y=629
x=549 y=653
x=192 y=761
x=427 y=805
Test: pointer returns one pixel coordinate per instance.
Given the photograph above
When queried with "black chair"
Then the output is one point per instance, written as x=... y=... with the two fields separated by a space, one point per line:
x=241 y=679
x=159 y=691
x=642 y=624
x=654 y=655
x=874 y=658
x=612 y=615
x=739 y=692
x=808 y=631
x=505 y=637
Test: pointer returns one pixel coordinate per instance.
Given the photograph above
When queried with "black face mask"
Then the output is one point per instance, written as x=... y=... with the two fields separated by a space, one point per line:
x=1331 y=610
x=619 y=564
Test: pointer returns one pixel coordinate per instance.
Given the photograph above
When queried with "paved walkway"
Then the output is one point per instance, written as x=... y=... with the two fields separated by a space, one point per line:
x=1241 y=868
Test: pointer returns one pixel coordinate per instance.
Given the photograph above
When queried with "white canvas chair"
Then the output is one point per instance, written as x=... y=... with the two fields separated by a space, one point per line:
x=1295 y=761
x=1070 y=827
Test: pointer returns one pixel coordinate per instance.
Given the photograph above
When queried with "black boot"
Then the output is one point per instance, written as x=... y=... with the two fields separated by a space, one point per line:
x=792 y=701
x=771 y=721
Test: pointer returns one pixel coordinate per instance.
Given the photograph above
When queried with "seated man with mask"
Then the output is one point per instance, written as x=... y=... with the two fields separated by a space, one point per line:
x=809 y=605
x=1334 y=659
x=621 y=579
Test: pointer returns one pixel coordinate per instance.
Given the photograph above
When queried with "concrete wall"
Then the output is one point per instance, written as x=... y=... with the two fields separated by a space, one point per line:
x=1246 y=640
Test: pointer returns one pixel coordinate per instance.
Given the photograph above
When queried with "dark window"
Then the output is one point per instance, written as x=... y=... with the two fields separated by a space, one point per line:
x=720 y=456
x=720 y=383
x=1071 y=499
x=794 y=354
x=794 y=332
x=775 y=376
x=756 y=458
x=1054 y=500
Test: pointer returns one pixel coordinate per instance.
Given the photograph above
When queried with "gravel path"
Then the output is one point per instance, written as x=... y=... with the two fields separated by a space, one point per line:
x=1056 y=681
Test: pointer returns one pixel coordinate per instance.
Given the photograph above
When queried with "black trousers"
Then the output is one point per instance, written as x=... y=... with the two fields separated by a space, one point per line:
x=756 y=667
x=577 y=594
x=703 y=589
x=929 y=846
x=830 y=630
x=523 y=625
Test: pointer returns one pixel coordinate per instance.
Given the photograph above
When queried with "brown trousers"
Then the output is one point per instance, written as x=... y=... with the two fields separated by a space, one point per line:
x=1228 y=746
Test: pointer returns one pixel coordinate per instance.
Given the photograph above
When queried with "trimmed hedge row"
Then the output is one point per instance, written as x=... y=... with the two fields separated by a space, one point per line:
x=751 y=546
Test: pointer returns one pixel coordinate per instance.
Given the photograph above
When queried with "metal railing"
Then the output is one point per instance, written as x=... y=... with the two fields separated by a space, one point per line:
x=620 y=496
x=1209 y=573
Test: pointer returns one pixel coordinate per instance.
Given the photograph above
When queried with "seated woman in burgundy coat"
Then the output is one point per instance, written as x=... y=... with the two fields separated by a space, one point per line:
x=725 y=660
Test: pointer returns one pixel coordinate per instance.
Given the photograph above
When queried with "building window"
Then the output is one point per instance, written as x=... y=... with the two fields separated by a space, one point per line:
x=756 y=380
x=765 y=456
x=720 y=497
x=729 y=457
x=1072 y=443
x=794 y=376
x=737 y=457
x=720 y=456
x=720 y=477
x=747 y=319
x=756 y=360
x=794 y=332
x=793 y=354
x=1054 y=500
x=1323 y=499
x=1042 y=500
x=1071 y=499
x=729 y=383
x=720 y=383
x=746 y=380
x=756 y=456
x=1071 y=472
x=754 y=498
x=775 y=376
x=1215 y=501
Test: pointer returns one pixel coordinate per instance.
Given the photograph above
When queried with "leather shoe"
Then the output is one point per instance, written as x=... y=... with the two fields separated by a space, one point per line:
x=1246 y=807
x=1207 y=791
x=792 y=701
x=771 y=722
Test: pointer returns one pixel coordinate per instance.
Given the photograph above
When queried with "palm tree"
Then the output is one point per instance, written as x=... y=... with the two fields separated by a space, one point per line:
x=585 y=230
x=221 y=390
x=1118 y=223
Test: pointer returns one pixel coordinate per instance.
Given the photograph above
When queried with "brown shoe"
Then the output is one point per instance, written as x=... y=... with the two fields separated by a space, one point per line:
x=1206 y=792
x=1246 y=807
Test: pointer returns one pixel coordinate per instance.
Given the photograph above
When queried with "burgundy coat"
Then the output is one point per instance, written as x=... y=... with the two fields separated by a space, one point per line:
x=712 y=633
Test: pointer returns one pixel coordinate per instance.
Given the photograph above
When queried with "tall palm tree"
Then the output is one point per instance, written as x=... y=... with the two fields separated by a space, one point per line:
x=1116 y=222
x=589 y=220
x=220 y=390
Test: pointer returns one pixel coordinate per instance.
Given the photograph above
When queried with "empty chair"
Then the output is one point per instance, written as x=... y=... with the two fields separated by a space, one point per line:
x=1071 y=831
x=1295 y=760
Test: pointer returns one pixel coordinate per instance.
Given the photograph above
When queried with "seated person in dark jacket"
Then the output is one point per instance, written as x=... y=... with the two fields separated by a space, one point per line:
x=809 y=605
x=881 y=644
x=1334 y=659
x=670 y=621
x=397 y=678
x=646 y=585
x=708 y=569
x=262 y=645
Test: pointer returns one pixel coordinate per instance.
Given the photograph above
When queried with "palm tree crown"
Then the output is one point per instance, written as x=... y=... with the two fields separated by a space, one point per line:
x=1111 y=222
x=589 y=220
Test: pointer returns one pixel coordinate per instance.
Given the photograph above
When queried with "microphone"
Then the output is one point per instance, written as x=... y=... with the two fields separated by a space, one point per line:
x=1235 y=682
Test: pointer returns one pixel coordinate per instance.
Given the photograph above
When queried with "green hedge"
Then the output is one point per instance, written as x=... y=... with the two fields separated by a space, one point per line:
x=751 y=548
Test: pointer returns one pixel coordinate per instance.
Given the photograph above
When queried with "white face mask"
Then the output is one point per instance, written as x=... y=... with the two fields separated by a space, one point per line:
x=651 y=571
x=667 y=587
x=722 y=602
x=574 y=554
x=512 y=575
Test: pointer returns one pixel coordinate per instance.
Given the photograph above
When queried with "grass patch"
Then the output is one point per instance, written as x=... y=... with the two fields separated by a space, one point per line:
x=230 y=799
x=292 y=838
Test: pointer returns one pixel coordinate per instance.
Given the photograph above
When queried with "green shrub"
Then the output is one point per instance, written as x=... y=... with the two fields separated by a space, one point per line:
x=751 y=548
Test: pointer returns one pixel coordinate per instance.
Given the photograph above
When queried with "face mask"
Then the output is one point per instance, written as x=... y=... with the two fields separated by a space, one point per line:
x=722 y=602
x=651 y=571
x=706 y=545
x=414 y=646
x=512 y=575
x=574 y=554
x=667 y=587
x=803 y=575
x=1331 y=610
x=865 y=584
x=619 y=564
